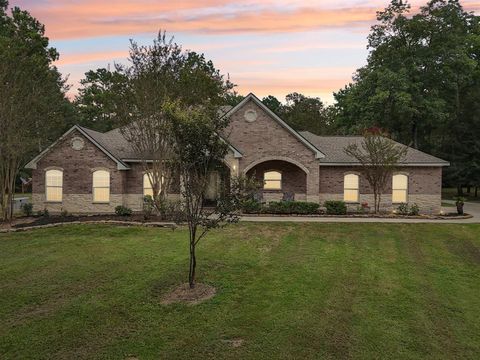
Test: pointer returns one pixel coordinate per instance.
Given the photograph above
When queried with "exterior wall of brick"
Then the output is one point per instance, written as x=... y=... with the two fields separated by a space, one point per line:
x=265 y=140
x=77 y=204
x=78 y=167
x=134 y=180
x=126 y=186
x=424 y=187
x=421 y=180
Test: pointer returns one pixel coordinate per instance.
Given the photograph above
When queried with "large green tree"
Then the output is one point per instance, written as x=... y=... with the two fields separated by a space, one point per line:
x=98 y=98
x=33 y=105
x=420 y=81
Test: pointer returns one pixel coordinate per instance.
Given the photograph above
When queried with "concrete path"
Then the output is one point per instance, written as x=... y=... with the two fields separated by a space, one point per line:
x=469 y=208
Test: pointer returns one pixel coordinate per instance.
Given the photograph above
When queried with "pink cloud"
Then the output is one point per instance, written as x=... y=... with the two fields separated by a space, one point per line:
x=92 y=18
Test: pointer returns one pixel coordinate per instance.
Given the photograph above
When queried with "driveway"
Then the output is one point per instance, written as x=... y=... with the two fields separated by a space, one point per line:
x=469 y=208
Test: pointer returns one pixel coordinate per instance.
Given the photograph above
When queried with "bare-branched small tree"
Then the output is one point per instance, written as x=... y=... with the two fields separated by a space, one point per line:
x=198 y=151
x=379 y=156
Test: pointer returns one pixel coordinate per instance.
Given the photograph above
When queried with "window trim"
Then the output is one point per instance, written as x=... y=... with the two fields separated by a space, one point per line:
x=407 y=189
x=101 y=187
x=280 y=181
x=49 y=186
x=357 y=188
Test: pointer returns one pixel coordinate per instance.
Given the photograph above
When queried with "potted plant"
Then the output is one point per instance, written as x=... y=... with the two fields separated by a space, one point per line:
x=459 y=201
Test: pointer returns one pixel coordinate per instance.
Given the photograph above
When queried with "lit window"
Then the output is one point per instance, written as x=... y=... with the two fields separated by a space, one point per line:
x=350 y=188
x=147 y=186
x=101 y=186
x=272 y=180
x=399 y=188
x=54 y=185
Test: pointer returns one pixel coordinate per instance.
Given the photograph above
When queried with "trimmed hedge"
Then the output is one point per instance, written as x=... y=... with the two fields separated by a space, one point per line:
x=281 y=207
x=335 y=207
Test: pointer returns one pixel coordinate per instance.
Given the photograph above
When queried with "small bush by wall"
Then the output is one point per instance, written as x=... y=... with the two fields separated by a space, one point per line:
x=292 y=207
x=123 y=211
x=335 y=207
x=252 y=206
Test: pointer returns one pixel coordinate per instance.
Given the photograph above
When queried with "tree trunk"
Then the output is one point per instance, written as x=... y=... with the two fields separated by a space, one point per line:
x=476 y=191
x=375 y=197
x=193 y=261
x=415 y=134
x=459 y=190
x=468 y=189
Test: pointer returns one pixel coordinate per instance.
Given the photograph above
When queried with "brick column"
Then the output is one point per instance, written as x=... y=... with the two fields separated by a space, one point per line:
x=313 y=183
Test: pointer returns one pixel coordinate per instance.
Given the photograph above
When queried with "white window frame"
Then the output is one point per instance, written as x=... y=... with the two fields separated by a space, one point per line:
x=100 y=187
x=357 y=189
x=47 y=186
x=280 y=181
x=400 y=189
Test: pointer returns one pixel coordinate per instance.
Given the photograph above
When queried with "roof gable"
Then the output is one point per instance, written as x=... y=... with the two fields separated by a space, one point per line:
x=275 y=117
x=90 y=135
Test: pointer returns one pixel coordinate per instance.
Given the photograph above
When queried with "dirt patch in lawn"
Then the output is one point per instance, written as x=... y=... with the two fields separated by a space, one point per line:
x=234 y=343
x=183 y=294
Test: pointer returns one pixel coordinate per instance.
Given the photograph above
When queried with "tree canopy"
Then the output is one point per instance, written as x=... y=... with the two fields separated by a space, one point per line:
x=420 y=82
x=33 y=106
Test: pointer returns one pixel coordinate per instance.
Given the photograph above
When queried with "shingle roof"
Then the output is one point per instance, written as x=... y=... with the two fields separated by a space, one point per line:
x=333 y=148
x=114 y=142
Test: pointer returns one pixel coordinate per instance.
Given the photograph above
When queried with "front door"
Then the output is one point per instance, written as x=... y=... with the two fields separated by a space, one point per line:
x=213 y=187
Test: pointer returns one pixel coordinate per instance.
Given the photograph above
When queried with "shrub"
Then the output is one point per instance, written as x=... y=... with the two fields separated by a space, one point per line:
x=27 y=209
x=251 y=206
x=414 y=210
x=402 y=209
x=123 y=210
x=148 y=207
x=336 y=207
x=64 y=213
x=292 y=207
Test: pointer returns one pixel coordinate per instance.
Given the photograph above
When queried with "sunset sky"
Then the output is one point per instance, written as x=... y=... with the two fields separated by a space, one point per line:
x=267 y=46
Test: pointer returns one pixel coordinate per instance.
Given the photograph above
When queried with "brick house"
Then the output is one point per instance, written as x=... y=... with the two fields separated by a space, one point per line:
x=90 y=172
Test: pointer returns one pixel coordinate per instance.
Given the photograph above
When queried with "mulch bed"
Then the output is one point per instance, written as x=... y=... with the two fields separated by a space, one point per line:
x=28 y=223
x=449 y=216
x=183 y=294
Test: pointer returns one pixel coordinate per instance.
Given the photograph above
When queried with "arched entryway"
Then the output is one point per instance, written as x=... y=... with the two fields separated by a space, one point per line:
x=281 y=179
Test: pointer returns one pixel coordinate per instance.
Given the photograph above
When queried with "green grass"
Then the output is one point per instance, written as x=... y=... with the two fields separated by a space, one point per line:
x=367 y=291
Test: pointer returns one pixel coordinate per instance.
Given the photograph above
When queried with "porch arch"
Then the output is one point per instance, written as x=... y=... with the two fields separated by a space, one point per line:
x=275 y=158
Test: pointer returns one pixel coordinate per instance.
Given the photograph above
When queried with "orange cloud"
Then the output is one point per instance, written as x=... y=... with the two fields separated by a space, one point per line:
x=92 y=19
x=81 y=58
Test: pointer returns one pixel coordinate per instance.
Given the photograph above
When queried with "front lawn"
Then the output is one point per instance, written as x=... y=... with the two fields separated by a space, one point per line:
x=283 y=291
